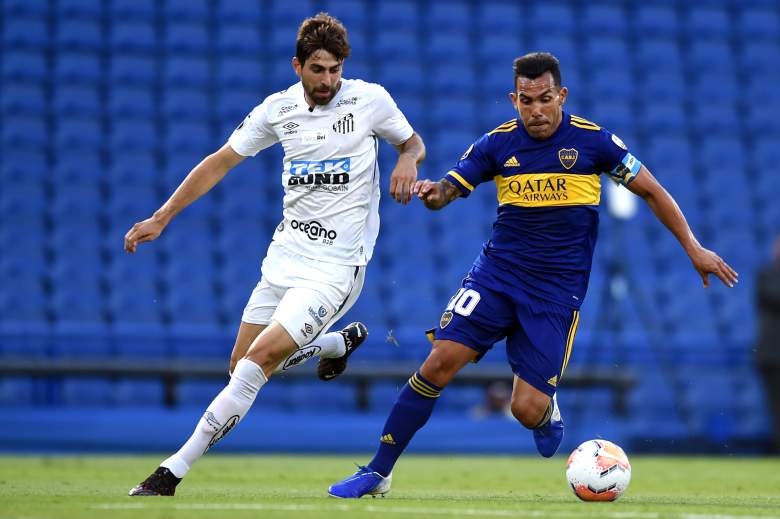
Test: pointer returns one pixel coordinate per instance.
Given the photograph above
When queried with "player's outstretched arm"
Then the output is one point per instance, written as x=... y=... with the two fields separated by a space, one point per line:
x=200 y=180
x=435 y=195
x=411 y=154
x=668 y=212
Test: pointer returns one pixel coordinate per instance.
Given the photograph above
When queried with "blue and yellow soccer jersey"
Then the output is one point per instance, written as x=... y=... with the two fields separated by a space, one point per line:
x=548 y=193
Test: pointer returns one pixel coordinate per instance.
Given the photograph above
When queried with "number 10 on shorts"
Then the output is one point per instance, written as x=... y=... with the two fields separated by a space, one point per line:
x=463 y=302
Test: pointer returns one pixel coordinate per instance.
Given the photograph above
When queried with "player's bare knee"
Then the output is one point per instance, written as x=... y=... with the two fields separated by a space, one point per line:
x=265 y=358
x=438 y=370
x=528 y=411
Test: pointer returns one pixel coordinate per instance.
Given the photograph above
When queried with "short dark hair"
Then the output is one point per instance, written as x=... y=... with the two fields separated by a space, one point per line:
x=535 y=64
x=322 y=31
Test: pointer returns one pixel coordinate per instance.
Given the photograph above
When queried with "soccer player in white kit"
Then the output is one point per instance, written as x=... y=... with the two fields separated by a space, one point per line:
x=314 y=268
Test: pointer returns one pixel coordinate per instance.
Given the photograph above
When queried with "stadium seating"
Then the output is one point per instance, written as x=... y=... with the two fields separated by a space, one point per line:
x=107 y=105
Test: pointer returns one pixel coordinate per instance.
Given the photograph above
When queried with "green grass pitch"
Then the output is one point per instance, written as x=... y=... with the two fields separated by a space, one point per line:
x=239 y=486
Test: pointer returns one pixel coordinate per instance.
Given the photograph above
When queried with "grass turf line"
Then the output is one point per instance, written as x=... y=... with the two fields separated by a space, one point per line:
x=36 y=487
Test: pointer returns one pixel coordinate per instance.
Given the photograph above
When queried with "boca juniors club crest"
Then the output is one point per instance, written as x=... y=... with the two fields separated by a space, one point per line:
x=568 y=157
x=446 y=317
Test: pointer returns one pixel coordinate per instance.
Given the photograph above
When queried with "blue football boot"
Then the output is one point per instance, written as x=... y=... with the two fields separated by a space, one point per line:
x=363 y=482
x=548 y=437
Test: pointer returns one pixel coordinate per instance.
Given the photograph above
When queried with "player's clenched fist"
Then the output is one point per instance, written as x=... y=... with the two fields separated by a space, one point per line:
x=147 y=230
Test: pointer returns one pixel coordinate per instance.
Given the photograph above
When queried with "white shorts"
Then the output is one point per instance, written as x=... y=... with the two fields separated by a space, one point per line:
x=304 y=295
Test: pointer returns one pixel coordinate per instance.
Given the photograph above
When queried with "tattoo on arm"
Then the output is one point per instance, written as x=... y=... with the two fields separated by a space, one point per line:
x=449 y=192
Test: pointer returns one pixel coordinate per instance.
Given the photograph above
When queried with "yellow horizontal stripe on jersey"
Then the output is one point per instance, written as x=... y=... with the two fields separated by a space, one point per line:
x=548 y=189
x=504 y=129
x=461 y=180
x=580 y=120
x=585 y=126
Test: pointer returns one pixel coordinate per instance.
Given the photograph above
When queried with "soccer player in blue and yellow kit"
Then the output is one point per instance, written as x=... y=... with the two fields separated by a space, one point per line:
x=531 y=277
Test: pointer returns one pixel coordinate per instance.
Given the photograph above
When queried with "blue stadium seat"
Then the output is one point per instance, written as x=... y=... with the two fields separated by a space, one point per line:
x=758 y=23
x=141 y=305
x=454 y=46
x=77 y=199
x=616 y=115
x=187 y=38
x=28 y=198
x=402 y=77
x=564 y=46
x=553 y=16
x=196 y=10
x=401 y=43
x=233 y=107
x=711 y=56
x=352 y=13
x=455 y=110
x=660 y=54
x=133 y=168
x=657 y=20
x=132 y=135
x=86 y=392
x=404 y=13
x=250 y=12
x=619 y=82
x=453 y=16
x=190 y=135
x=82 y=166
x=241 y=72
x=77 y=9
x=464 y=81
x=605 y=19
x=606 y=51
x=186 y=104
x=128 y=70
x=22 y=99
x=79 y=34
x=20 y=32
x=82 y=133
x=17 y=391
x=76 y=101
x=715 y=121
x=25 y=8
x=77 y=68
x=667 y=117
x=24 y=66
x=132 y=392
x=133 y=9
x=131 y=103
x=24 y=132
x=23 y=299
x=239 y=40
x=282 y=12
x=24 y=166
x=133 y=36
x=760 y=56
x=198 y=392
x=666 y=85
x=187 y=72
x=709 y=22
x=499 y=51
x=131 y=203
x=177 y=165
x=496 y=16
x=762 y=119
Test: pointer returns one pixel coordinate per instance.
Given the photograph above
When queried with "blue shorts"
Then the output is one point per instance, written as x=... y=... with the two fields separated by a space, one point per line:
x=539 y=334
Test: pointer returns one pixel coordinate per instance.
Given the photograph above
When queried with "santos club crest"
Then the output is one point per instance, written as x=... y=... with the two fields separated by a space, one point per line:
x=568 y=156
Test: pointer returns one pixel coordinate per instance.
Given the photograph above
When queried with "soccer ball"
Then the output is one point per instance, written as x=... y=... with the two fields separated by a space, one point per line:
x=598 y=470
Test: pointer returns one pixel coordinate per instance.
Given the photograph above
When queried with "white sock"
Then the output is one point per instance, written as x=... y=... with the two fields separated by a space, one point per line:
x=227 y=409
x=332 y=345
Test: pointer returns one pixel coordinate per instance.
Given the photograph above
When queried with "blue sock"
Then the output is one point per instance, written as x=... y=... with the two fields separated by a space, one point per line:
x=411 y=410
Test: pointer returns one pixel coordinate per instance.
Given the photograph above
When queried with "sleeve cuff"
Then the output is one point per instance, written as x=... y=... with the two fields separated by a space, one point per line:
x=460 y=182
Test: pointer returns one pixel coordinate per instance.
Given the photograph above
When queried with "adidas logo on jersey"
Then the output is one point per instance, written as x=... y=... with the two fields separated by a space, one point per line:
x=388 y=439
x=511 y=162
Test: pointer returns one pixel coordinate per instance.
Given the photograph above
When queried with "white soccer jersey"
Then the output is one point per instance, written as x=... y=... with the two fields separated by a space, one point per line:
x=331 y=172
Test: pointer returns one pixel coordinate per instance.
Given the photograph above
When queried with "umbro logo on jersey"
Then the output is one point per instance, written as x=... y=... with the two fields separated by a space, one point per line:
x=345 y=125
x=511 y=162
x=291 y=128
x=388 y=439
